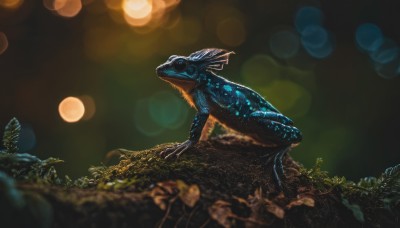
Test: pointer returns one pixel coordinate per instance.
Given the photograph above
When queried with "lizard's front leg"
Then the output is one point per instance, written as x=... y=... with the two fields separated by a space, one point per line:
x=195 y=133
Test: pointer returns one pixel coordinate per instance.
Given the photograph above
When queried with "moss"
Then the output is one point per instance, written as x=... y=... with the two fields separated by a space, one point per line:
x=373 y=201
x=232 y=182
x=139 y=169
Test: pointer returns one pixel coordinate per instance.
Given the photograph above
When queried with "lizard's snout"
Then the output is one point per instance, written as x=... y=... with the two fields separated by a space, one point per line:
x=159 y=70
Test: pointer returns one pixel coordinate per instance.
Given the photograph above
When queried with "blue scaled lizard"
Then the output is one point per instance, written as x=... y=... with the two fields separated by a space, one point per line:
x=234 y=106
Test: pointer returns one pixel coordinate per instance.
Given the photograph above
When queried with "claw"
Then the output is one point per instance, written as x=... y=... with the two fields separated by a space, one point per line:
x=166 y=151
x=177 y=151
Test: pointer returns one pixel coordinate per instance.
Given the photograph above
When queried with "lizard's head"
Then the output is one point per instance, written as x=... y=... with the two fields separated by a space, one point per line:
x=184 y=71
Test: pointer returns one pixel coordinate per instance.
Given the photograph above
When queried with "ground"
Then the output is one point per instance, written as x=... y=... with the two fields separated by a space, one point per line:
x=224 y=181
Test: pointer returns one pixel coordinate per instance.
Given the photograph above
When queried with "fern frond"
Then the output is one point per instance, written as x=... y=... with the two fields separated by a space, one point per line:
x=11 y=135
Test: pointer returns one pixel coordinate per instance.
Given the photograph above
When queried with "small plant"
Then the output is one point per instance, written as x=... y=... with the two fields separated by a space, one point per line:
x=25 y=166
x=11 y=136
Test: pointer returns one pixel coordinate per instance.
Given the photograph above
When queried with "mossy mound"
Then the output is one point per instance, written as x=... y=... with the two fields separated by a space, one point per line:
x=225 y=181
x=228 y=164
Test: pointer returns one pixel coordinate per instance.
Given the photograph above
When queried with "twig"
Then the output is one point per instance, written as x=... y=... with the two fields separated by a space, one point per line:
x=180 y=218
x=190 y=216
x=171 y=201
x=205 y=224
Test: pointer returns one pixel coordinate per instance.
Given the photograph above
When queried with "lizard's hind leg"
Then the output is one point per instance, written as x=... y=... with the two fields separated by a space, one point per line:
x=207 y=129
x=278 y=166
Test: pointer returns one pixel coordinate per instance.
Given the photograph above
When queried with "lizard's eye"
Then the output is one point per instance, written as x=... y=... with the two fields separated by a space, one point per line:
x=180 y=65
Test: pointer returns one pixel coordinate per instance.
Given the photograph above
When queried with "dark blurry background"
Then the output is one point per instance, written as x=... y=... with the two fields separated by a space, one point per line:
x=332 y=66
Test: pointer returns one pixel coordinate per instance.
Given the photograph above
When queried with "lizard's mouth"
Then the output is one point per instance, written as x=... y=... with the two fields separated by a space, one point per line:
x=174 y=80
x=184 y=84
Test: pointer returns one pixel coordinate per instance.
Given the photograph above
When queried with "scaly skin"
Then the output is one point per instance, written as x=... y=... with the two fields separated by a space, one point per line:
x=233 y=105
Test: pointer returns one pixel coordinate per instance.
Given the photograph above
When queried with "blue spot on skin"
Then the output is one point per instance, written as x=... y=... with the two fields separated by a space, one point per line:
x=239 y=94
x=307 y=16
x=369 y=37
x=228 y=88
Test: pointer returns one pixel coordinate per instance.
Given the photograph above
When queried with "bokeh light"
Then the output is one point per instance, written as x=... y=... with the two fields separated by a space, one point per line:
x=51 y=4
x=70 y=8
x=260 y=70
x=27 y=138
x=101 y=44
x=137 y=22
x=164 y=110
x=64 y=8
x=316 y=41
x=386 y=52
x=113 y=4
x=284 y=44
x=137 y=9
x=143 y=120
x=307 y=16
x=389 y=70
x=3 y=43
x=289 y=97
x=168 y=110
x=231 y=32
x=90 y=107
x=369 y=37
x=71 y=109
x=179 y=33
x=140 y=13
x=11 y=4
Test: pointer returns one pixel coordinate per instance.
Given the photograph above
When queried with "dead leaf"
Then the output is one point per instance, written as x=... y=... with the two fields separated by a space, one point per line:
x=188 y=194
x=159 y=195
x=220 y=211
x=258 y=193
x=160 y=202
x=169 y=186
x=302 y=200
x=274 y=209
x=162 y=192
x=241 y=200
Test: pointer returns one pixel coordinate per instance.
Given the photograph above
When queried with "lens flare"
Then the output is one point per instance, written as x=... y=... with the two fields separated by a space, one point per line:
x=71 y=109
x=3 y=43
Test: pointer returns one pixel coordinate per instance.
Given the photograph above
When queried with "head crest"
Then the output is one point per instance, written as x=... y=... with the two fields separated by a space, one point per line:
x=211 y=58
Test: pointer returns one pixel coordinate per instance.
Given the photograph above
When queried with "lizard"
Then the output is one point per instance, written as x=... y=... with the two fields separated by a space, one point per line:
x=235 y=106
